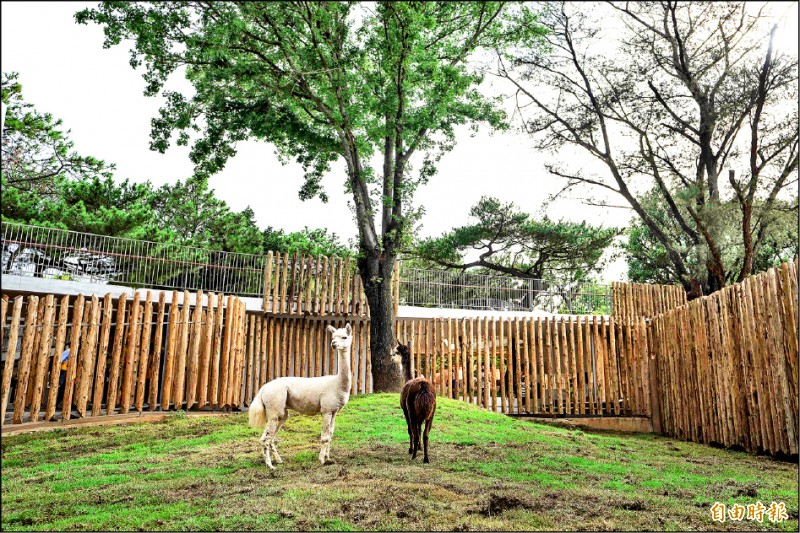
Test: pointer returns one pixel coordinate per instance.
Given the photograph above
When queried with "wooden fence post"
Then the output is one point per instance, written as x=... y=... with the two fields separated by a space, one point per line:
x=652 y=373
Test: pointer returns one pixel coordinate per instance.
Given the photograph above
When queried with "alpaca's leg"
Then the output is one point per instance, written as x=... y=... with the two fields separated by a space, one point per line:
x=273 y=443
x=267 y=438
x=417 y=432
x=325 y=438
x=410 y=433
x=428 y=425
x=328 y=445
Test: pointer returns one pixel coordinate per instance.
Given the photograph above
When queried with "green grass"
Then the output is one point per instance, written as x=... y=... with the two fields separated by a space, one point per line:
x=488 y=472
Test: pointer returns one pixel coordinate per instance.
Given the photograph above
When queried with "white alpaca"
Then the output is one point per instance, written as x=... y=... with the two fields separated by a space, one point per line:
x=308 y=396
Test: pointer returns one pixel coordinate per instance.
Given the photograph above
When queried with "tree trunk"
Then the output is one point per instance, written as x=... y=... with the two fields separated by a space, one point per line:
x=377 y=276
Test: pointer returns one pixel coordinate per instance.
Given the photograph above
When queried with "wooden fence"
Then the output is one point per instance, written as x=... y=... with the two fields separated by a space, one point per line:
x=720 y=369
x=317 y=286
x=586 y=366
x=175 y=354
x=641 y=300
x=727 y=365
x=300 y=346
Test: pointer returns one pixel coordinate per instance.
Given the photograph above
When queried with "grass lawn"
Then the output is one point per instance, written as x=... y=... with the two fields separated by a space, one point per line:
x=487 y=472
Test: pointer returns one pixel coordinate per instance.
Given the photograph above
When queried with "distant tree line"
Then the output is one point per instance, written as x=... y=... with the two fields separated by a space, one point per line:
x=45 y=182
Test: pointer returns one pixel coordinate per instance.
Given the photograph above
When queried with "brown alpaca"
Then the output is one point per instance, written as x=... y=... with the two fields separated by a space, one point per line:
x=418 y=400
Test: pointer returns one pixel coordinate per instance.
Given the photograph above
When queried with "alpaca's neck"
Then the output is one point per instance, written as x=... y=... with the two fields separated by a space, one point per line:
x=345 y=377
x=406 y=367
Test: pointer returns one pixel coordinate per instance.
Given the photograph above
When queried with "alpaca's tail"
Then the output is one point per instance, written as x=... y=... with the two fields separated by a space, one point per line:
x=425 y=401
x=257 y=413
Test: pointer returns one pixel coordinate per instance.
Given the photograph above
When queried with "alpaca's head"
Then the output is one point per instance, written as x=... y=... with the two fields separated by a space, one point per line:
x=402 y=355
x=342 y=338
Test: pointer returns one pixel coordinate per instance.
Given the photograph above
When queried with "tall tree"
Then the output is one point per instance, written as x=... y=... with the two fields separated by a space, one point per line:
x=306 y=242
x=36 y=149
x=694 y=103
x=322 y=81
x=648 y=261
x=503 y=239
x=194 y=216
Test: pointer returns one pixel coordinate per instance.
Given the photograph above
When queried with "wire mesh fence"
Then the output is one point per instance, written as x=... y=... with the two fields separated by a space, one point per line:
x=463 y=290
x=63 y=254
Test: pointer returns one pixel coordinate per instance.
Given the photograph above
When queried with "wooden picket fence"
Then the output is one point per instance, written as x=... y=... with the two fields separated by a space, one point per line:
x=317 y=286
x=727 y=365
x=587 y=365
x=300 y=346
x=720 y=369
x=167 y=355
x=641 y=300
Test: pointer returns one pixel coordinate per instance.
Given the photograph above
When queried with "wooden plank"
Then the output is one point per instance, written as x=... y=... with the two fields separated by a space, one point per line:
x=216 y=350
x=179 y=381
x=130 y=350
x=284 y=308
x=227 y=341
x=193 y=356
x=144 y=350
x=589 y=367
x=170 y=357
x=155 y=359
x=308 y=305
x=43 y=357
x=102 y=355
x=449 y=351
x=346 y=309
x=315 y=306
x=240 y=369
x=265 y=304
x=324 y=275
x=491 y=383
x=502 y=365
x=136 y=351
x=331 y=288
x=559 y=370
x=276 y=286
x=264 y=370
x=777 y=368
x=486 y=371
x=3 y=316
x=228 y=397
x=294 y=280
x=13 y=336
x=116 y=354
x=549 y=365
x=340 y=287
x=529 y=355
x=35 y=354
x=204 y=368
x=519 y=354
x=300 y=289
x=55 y=367
x=577 y=399
x=87 y=357
x=72 y=362
x=23 y=366
x=577 y=346
x=541 y=382
x=256 y=380
x=614 y=355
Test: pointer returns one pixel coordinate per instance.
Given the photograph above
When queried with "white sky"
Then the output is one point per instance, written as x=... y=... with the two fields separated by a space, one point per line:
x=65 y=71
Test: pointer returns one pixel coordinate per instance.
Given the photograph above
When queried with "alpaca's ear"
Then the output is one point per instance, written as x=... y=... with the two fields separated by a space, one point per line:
x=348 y=329
x=331 y=329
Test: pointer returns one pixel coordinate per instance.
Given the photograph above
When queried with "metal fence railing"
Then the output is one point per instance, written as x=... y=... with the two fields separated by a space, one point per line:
x=62 y=254
x=463 y=290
